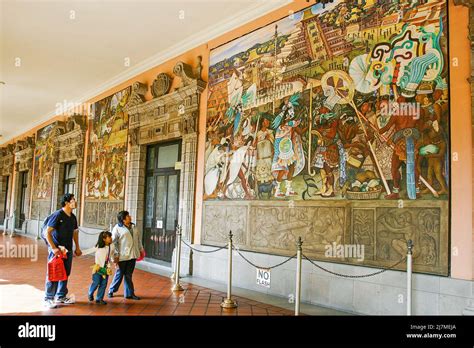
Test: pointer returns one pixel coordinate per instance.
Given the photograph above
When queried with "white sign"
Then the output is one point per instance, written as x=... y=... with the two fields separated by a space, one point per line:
x=263 y=277
x=159 y=223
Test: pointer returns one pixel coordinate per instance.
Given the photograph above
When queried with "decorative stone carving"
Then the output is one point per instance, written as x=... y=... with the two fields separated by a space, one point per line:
x=6 y=160
x=223 y=219
x=70 y=143
x=198 y=69
x=133 y=136
x=381 y=227
x=24 y=154
x=185 y=73
x=168 y=116
x=161 y=85
x=137 y=95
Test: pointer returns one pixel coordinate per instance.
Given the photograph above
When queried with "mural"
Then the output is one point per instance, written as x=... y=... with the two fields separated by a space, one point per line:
x=44 y=159
x=349 y=101
x=107 y=150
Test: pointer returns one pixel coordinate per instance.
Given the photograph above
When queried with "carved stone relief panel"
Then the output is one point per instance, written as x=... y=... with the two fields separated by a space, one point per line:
x=220 y=219
x=100 y=214
x=381 y=228
x=40 y=209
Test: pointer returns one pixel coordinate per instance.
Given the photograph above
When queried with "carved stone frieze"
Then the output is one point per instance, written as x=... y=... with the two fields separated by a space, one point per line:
x=382 y=228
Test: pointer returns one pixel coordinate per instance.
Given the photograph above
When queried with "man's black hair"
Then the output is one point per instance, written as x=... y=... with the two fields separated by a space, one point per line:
x=122 y=215
x=66 y=199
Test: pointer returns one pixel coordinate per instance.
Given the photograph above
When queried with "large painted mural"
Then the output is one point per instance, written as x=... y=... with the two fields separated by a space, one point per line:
x=44 y=160
x=106 y=159
x=332 y=124
x=348 y=101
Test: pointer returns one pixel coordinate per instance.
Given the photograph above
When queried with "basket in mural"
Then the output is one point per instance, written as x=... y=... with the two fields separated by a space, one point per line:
x=363 y=195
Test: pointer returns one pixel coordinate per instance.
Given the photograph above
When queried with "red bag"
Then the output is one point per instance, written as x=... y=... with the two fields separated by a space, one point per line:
x=56 y=269
x=142 y=255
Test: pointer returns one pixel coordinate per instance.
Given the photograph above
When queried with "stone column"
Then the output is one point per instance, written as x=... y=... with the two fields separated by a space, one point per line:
x=54 y=188
x=136 y=184
x=186 y=197
x=79 y=170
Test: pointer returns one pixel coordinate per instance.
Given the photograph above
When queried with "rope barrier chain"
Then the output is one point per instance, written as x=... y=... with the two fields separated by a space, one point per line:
x=203 y=251
x=262 y=267
x=354 y=276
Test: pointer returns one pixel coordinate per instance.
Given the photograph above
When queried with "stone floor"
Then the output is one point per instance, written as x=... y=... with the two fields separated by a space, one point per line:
x=22 y=290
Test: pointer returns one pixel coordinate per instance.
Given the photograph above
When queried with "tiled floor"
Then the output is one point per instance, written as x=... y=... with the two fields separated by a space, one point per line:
x=22 y=290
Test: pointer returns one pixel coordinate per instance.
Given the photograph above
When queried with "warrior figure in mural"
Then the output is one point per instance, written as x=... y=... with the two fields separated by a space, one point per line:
x=327 y=154
x=406 y=146
x=288 y=159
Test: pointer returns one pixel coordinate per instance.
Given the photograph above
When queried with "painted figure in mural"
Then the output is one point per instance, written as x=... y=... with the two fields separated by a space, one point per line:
x=215 y=167
x=406 y=146
x=264 y=143
x=328 y=151
x=288 y=158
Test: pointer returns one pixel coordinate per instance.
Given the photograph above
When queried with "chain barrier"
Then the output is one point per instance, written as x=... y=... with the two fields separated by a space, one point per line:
x=203 y=251
x=88 y=233
x=262 y=267
x=354 y=276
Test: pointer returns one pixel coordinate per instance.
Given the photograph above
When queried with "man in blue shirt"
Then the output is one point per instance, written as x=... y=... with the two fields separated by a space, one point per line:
x=62 y=230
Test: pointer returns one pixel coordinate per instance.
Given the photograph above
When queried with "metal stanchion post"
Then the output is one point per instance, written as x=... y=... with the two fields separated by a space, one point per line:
x=299 y=250
x=177 y=286
x=409 y=273
x=228 y=302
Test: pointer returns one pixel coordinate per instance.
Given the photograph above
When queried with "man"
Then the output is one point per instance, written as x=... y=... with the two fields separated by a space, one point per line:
x=62 y=230
x=128 y=247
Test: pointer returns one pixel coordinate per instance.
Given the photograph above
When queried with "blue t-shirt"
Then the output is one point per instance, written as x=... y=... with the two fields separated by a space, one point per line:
x=64 y=227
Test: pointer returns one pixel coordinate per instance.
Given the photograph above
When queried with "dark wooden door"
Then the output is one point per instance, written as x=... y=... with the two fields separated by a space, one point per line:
x=23 y=187
x=4 y=199
x=161 y=200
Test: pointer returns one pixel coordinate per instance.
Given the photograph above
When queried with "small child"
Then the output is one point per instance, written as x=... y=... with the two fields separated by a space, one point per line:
x=102 y=269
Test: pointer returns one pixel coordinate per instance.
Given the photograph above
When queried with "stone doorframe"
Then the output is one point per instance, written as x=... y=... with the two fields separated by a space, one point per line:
x=6 y=169
x=168 y=116
x=24 y=152
x=69 y=147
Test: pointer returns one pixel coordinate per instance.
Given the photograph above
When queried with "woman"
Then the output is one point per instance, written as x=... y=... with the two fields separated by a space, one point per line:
x=128 y=246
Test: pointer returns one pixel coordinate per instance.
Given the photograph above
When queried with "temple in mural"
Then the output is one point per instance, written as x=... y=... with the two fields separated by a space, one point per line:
x=346 y=102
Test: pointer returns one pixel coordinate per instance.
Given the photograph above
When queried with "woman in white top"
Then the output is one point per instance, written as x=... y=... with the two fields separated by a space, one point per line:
x=128 y=247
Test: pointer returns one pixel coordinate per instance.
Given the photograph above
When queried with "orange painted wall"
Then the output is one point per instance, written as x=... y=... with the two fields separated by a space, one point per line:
x=461 y=219
x=461 y=148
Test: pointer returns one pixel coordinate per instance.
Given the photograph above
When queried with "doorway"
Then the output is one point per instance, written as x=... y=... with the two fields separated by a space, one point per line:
x=22 y=208
x=4 y=199
x=161 y=200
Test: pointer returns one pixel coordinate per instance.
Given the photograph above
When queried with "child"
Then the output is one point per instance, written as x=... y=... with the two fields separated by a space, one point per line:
x=105 y=251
